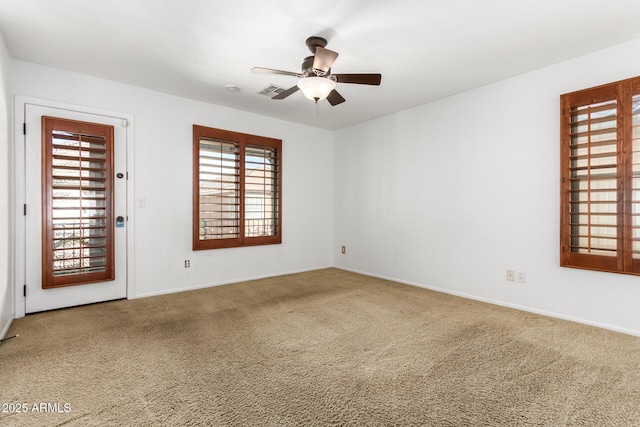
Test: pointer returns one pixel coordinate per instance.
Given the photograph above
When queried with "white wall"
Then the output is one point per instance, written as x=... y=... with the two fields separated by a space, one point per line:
x=6 y=289
x=163 y=176
x=447 y=195
x=451 y=194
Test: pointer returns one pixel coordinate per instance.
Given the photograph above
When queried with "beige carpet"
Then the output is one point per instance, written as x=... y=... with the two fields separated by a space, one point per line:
x=327 y=348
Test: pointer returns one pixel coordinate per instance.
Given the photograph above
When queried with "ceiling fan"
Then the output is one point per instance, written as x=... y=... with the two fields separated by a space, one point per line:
x=316 y=80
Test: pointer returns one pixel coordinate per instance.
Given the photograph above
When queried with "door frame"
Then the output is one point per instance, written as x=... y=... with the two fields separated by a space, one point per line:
x=19 y=191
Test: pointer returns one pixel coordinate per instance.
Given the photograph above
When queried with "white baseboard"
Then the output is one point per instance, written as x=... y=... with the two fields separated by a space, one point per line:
x=3 y=332
x=503 y=303
x=241 y=279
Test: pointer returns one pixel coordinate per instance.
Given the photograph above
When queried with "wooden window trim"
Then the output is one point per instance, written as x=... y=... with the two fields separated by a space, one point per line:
x=49 y=280
x=242 y=140
x=623 y=261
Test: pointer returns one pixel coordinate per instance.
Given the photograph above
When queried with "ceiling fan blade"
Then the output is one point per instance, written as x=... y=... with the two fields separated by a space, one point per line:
x=287 y=92
x=335 y=98
x=361 y=79
x=324 y=59
x=262 y=70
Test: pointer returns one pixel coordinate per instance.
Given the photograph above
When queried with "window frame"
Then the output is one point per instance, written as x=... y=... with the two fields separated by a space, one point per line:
x=242 y=141
x=49 y=177
x=623 y=261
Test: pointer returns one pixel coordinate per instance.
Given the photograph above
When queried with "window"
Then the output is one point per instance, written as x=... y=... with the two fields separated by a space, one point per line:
x=600 y=178
x=77 y=199
x=237 y=197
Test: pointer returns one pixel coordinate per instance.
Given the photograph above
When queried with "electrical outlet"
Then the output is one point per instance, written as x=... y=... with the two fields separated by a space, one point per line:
x=521 y=277
x=344 y=249
x=187 y=263
x=511 y=275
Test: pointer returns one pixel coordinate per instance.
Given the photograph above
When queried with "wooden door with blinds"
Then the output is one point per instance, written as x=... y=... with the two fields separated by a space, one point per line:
x=77 y=203
x=600 y=173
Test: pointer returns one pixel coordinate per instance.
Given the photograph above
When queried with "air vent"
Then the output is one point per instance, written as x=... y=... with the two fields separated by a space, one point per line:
x=272 y=90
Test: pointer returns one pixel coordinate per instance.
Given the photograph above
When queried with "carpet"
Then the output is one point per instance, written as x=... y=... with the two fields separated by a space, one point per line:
x=321 y=348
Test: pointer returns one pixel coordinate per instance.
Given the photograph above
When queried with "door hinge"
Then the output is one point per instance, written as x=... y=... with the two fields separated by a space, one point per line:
x=125 y=123
x=24 y=290
x=24 y=209
x=24 y=128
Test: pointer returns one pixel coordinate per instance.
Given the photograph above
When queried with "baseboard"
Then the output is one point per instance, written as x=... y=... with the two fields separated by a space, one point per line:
x=212 y=284
x=3 y=332
x=502 y=303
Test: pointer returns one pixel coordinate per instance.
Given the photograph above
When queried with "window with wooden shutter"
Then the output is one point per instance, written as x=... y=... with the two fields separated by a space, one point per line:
x=237 y=189
x=600 y=178
x=635 y=172
x=219 y=190
x=77 y=213
x=261 y=191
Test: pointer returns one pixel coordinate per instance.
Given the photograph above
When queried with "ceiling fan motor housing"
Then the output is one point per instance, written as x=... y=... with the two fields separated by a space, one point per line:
x=314 y=41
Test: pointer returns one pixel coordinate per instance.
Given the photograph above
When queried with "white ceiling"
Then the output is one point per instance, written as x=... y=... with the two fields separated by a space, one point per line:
x=424 y=49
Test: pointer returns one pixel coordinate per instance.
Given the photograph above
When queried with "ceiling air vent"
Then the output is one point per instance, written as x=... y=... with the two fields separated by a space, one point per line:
x=272 y=90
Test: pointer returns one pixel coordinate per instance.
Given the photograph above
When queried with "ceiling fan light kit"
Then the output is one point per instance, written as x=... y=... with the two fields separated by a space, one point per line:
x=316 y=88
x=316 y=81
